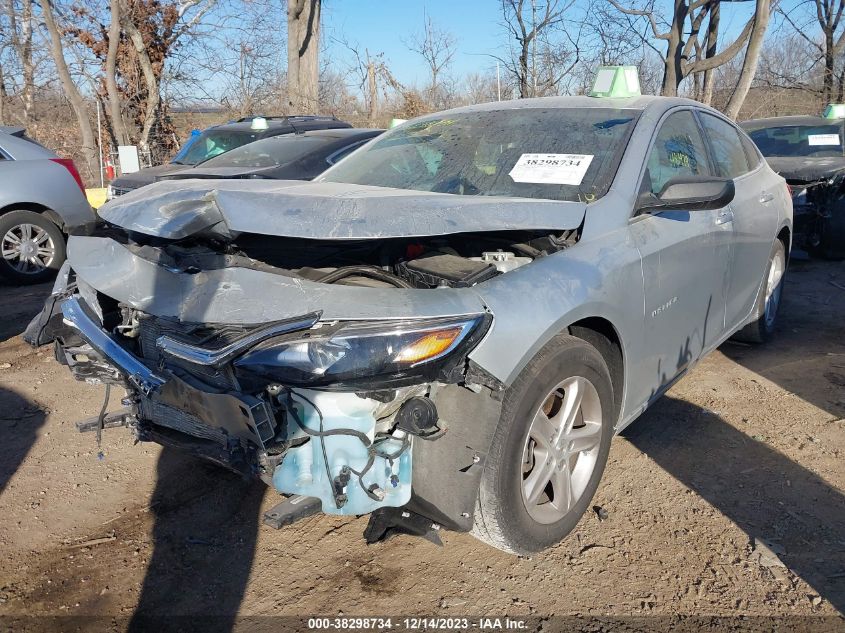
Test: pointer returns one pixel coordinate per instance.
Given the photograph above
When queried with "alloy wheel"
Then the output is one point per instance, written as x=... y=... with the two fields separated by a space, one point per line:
x=28 y=248
x=561 y=449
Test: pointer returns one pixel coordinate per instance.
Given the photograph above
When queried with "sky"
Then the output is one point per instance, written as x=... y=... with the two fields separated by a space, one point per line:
x=383 y=26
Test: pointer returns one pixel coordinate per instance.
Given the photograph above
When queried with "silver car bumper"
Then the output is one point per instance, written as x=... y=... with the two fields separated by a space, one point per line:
x=75 y=315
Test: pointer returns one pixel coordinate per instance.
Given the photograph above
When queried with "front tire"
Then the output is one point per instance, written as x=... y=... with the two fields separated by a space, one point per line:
x=549 y=449
x=768 y=301
x=32 y=247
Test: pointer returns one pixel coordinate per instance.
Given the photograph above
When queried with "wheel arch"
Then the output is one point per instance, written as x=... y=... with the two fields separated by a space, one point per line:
x=785 y=236
x=604 y=336
x=35 y=207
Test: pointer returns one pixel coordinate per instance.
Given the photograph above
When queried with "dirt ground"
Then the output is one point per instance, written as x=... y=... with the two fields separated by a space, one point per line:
x=726 y=498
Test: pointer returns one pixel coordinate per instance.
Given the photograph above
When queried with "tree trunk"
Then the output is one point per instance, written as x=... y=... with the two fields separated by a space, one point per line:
x=524 y=85
x=153 y=99
x=829 y=60
x=28 y=66
x=752 y=57
x=121 y=137
x=2 y=96
x=840 y=93
x=77 y=102
x=303 y=56
x=711 y=50
x=673 y=72
x=372 y=90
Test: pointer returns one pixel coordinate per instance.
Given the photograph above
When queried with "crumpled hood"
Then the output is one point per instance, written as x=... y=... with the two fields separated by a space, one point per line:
x=325 y=210
x=807 y=168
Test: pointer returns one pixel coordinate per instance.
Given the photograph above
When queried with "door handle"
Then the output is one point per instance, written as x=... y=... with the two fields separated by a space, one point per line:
x=767 y=197
x=725 y=216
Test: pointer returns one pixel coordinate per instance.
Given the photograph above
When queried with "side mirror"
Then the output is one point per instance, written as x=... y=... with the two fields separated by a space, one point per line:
x=689 y=193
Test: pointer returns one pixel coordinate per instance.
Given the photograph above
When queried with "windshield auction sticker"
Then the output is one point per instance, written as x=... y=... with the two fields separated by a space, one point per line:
x=551 y=169
x=823 y=139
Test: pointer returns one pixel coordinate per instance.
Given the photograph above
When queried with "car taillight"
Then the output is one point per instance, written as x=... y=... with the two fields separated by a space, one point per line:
x=67 y=163
x=789 y=189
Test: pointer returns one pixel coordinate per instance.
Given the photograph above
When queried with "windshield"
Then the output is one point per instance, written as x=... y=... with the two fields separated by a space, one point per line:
x=799 y=140
x=212 y=143
x=553 y=154
x=269 y=152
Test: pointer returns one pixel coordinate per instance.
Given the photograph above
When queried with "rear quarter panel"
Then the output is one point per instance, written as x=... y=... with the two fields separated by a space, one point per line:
x=47 y=184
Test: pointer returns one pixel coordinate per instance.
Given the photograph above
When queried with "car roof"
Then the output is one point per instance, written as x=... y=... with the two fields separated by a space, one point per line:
x=283 y=124
x=786 y=121
x=641 y=102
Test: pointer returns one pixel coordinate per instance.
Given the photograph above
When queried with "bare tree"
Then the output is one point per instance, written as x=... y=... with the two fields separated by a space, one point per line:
x=710 y=46
x=528 y=24
x=110 y=75
x=683 y=37
x=303 y=55
x=77 y=102
x=437 y=47
x=828 y=14
x=762 y=14
x=3 y=91
x=21 y=19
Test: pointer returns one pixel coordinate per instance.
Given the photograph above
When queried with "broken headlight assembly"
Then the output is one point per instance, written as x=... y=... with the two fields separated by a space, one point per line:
x=367 y=355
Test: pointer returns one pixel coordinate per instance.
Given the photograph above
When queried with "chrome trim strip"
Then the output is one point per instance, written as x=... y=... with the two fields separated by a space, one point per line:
x=140 y=375
x=218 y=357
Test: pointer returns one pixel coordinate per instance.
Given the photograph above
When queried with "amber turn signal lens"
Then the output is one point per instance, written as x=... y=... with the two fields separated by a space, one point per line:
x=429 y=346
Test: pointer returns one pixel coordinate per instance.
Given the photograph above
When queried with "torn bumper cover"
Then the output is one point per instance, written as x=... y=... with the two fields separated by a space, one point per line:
x=276 y=402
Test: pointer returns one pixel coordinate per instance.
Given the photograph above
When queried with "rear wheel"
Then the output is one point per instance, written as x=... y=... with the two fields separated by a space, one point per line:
x=768 y=302
x=32 y=248
x=549 y=450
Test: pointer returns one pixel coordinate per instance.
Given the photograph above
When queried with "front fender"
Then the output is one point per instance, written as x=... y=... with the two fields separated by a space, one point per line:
x=600 y=278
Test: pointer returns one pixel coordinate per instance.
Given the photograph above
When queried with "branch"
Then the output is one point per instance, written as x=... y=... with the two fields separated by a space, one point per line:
x=725 y=56
x=647 y=14
x=801 y=32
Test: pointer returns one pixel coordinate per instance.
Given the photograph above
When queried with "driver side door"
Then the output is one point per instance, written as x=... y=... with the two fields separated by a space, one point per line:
x=685 y=257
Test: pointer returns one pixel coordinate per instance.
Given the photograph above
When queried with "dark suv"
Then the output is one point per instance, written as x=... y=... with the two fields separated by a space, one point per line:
x=219 y=139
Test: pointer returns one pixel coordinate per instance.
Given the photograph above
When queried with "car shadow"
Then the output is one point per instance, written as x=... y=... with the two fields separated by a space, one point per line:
x=20 y=421
x=770 y=497
x=807 y=357
x=21 y=303
x=204 y=537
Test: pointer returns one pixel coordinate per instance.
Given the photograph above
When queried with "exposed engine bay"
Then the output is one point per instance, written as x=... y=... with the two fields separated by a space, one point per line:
x=332 y=411
x=456 y=261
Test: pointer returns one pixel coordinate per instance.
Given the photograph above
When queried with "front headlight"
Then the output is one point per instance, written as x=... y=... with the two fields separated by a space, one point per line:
x=367 y=355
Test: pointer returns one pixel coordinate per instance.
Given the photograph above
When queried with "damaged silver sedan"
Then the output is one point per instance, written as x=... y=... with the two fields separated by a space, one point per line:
x=446 y=329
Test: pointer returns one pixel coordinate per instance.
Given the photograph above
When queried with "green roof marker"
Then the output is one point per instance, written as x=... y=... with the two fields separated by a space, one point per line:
x=834 y=111
x=616 y=82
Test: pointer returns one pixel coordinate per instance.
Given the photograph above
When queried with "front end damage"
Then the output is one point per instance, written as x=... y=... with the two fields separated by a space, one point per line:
x=334 y=370
x=818 y=202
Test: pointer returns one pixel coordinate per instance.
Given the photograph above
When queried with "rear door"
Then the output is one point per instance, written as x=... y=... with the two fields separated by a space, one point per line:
x=685 y=257
x=754 y=216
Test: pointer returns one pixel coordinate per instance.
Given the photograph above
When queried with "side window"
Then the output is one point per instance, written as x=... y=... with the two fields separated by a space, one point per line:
x=751 y=152
x=678 y=151
x=728 y=152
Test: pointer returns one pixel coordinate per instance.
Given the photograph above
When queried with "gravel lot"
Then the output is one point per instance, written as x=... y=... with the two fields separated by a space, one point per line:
x=727 y=498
